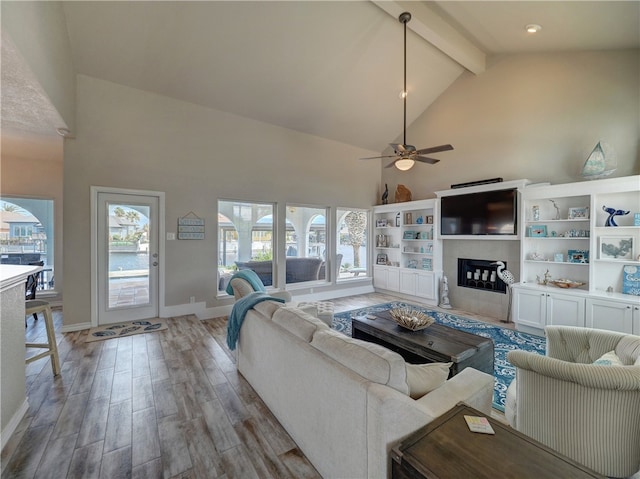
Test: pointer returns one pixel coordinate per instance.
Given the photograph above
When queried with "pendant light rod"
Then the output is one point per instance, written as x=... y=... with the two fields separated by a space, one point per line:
x=404 y=18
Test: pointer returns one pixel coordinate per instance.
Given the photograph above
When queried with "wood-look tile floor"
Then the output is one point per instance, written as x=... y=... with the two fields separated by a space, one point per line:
x=168 y=404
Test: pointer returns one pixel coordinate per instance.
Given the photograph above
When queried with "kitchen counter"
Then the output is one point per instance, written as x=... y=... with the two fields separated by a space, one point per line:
x=13 y=395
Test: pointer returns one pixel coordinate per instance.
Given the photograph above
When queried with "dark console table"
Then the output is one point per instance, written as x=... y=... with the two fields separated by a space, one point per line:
x=437 y=343
x=446 y=449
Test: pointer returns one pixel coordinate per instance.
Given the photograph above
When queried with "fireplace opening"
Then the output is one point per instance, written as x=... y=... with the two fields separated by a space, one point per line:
x=480 y=274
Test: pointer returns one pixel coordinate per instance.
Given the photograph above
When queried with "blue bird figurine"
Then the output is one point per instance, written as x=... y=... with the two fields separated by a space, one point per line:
x=613 y=212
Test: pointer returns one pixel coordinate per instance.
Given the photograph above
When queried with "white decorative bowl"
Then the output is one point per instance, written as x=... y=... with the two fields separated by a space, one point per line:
x=411 y=319
x=566 y=283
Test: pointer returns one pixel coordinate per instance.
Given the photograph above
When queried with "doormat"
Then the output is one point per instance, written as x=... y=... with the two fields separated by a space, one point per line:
x=504 y=340
x=129 y=328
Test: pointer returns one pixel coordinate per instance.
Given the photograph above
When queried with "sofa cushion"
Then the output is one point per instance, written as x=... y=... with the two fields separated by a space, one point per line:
x=371 y=361
x=424 y=378
x=267 y=308
x=298 y=322
x=608 y=359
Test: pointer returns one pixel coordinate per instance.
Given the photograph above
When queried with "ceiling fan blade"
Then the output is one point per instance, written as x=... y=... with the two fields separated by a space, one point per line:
x=425 y=159
x=434 y=149
x=378 y=157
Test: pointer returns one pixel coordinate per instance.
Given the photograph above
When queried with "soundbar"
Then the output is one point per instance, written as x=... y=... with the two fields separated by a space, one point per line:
x=475 y=183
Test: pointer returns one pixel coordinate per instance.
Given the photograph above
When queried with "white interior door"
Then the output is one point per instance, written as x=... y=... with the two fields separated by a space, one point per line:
x=127 y=259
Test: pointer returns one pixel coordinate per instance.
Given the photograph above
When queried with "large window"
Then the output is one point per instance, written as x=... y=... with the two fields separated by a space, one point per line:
x=245 y=240
x=351 y=255
x=26 y=234
x=306 y=244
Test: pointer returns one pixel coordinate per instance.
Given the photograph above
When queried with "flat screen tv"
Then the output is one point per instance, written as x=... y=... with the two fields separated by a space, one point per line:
x=482 y=213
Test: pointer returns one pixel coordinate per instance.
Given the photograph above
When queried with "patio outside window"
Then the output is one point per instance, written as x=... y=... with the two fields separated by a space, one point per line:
x=306 y=244
x=352 y=243
x=245 y=240
x=26 y=235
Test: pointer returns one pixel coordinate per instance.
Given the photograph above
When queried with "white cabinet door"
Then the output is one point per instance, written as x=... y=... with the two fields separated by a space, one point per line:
x=394 y=279
x=408 y=280
x=386 y=277
x=380 y=277
x=565 y=310
x=529 y=307
x=610 y=315
x=425 y=286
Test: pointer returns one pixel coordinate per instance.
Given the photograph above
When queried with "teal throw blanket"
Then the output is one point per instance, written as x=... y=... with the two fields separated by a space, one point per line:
x=239 y=311
x=251 y=277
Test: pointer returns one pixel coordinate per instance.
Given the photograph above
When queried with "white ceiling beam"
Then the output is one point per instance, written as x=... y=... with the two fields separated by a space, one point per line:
x=430 y=26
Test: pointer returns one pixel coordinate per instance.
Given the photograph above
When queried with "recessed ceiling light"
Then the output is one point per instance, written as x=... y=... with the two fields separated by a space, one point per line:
x=533 y=28
x=403 y=94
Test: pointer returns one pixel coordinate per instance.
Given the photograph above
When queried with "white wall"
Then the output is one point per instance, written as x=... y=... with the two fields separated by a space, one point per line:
x=534 y=116
x=39 y=31
x=128 y=138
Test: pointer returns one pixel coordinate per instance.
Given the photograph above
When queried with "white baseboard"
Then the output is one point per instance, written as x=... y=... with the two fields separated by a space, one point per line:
x=70 y=328
x=334 y=293
x=182 y=309
x=216 y=312
x=13 y=423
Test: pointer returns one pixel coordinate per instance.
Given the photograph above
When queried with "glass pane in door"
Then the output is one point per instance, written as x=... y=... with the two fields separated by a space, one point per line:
x=128 y=255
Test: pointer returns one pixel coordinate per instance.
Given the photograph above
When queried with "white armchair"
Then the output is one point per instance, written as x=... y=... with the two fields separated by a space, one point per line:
x=590 y=413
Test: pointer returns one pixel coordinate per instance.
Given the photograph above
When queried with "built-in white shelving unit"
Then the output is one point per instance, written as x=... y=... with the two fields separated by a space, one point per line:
x=407 y=256
x=563 y=236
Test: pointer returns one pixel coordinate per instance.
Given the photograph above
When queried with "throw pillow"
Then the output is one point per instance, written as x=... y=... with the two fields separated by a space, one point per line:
x=424 y=378
x=608 y=359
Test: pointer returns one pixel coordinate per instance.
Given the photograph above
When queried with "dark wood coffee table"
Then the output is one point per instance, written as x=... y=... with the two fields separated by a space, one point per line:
x=446 y=449
x=437 y=343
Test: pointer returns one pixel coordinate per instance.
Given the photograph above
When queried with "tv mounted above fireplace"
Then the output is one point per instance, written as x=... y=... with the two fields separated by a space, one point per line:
x=482 y=213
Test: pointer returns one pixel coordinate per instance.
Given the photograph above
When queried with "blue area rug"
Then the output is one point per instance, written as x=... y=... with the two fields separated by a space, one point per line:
x=504 y=340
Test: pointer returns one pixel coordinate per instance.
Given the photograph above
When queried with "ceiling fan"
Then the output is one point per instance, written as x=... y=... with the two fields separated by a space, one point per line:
x=406 y=155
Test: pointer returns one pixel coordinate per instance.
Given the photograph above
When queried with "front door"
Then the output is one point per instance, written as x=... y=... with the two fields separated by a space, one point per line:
x=127 y=259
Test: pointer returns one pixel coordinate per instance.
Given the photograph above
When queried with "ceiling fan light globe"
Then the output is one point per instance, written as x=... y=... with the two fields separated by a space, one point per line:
x=404 y=164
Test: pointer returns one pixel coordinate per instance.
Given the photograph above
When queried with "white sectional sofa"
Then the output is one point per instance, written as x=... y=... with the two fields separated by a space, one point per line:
x=345 y=402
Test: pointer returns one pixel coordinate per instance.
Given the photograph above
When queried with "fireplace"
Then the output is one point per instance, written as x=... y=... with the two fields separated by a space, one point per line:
x=480 y=274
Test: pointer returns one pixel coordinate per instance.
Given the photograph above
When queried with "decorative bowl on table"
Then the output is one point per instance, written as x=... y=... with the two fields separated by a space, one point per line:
x=411 y=318
x=566 y=283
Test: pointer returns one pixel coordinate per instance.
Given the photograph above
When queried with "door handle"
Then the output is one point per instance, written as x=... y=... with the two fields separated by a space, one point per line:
x=155 y=263
x=154 y=255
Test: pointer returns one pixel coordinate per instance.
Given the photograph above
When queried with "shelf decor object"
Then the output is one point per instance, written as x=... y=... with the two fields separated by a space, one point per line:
x=631 y=280
x=566 y=283
x=600 y=163
x=612 y=214
x=578 y=256
x=411 y=319
x=579 y=213
x=616 y=248
x=408 y=219
x=538 y=231
x=557 y=208
x=535 y=212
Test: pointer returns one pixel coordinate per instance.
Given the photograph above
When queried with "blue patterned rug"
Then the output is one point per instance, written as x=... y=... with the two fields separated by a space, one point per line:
x=504 y=340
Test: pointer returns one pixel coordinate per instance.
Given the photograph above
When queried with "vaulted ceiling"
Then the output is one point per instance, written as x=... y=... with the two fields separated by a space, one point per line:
x=331 y=69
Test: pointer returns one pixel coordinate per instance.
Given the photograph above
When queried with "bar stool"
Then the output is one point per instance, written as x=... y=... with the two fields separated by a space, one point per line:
x=35 y=306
